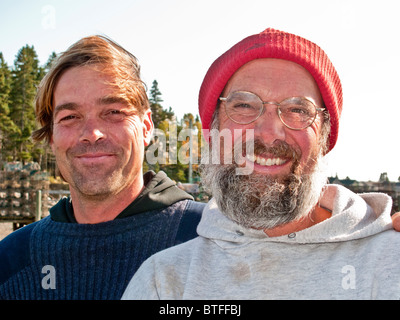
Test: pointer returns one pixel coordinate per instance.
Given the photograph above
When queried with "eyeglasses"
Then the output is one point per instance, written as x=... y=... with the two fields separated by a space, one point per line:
x=296 y=113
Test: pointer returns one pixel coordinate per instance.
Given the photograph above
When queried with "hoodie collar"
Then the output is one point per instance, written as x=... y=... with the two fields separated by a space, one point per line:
x=353 y=217
x=159 y=192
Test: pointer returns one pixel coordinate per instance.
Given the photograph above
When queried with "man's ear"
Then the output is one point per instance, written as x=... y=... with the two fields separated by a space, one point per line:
x=148 y=127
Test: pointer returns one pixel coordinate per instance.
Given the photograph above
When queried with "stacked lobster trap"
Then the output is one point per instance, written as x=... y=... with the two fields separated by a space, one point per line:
x=23 y=194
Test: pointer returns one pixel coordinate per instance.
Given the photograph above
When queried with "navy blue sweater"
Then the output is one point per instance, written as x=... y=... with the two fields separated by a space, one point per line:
x=59 y=260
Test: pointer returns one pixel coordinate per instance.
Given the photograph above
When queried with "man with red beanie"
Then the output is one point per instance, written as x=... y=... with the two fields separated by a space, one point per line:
x=276 y=230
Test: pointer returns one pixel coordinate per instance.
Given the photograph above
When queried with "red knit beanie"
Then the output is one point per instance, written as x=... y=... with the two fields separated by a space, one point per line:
x=279 y=45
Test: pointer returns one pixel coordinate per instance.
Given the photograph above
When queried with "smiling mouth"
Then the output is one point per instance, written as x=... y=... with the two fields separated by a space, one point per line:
x=92 y=158
x=266 y=161
x=94 y=155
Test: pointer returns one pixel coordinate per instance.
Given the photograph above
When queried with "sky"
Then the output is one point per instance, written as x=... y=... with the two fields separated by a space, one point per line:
x=176 y=41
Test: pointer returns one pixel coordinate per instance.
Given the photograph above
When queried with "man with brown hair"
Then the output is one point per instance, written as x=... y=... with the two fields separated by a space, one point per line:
x=94 y=113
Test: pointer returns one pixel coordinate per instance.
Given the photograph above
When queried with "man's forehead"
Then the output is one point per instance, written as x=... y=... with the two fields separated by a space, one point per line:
x=87 y=81
x=273 y=74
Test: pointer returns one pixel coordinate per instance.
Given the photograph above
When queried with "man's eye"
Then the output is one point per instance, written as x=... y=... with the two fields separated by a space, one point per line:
x=115 y=115
x=298 y=110
x=242 y=106
x=67 y=118
x=305 y=112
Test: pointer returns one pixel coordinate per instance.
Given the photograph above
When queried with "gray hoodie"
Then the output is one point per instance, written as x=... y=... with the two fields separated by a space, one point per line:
x=354 y=254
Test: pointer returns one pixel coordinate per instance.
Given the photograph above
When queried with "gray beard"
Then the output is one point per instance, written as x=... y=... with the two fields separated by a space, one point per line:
x=262 y=202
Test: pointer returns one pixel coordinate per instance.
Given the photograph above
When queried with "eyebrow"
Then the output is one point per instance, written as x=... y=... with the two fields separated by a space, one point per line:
x=64 y=106
x=101 y=101
x=110 y=100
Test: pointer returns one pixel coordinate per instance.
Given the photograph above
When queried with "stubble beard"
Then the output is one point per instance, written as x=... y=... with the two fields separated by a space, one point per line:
x=95 y=182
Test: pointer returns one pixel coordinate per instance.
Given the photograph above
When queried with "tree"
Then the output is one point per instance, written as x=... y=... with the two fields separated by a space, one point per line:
x=155 y=94
x=26 y=75
x=49 y=62
x=5 y=86
x=159 y=114
x=156 y=108
x=7 y=126
x=383 y=177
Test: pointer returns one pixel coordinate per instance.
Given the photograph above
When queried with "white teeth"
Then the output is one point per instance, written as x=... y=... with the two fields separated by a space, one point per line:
x=250 y=157
x=265 y=162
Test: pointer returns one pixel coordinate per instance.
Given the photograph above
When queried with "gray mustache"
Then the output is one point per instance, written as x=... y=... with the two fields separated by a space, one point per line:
x=279 y=149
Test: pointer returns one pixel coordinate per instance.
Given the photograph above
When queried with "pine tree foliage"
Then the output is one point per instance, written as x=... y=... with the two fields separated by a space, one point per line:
x=158 y=113
x=7 y=126
x=17 y=115
x=26 y=75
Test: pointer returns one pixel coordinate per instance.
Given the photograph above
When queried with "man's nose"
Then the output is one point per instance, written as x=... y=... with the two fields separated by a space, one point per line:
x=269 y=126
x=92 y=131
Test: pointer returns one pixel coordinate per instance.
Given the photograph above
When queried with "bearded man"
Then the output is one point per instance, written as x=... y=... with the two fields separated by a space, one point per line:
x=274 y=228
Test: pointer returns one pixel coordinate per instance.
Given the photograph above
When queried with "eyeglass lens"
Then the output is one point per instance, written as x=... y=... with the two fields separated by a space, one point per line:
x=246 y=107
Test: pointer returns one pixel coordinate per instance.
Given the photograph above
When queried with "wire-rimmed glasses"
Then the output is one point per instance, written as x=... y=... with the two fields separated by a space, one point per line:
x=296 y=113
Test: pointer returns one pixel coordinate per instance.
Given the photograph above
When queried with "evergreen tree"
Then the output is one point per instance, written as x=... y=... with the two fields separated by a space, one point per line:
x=156 y=108
x=26 y=75
x=47 y=66
x=159 y=114
x=7 y=126
x=155 y=94
x=5 y=85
